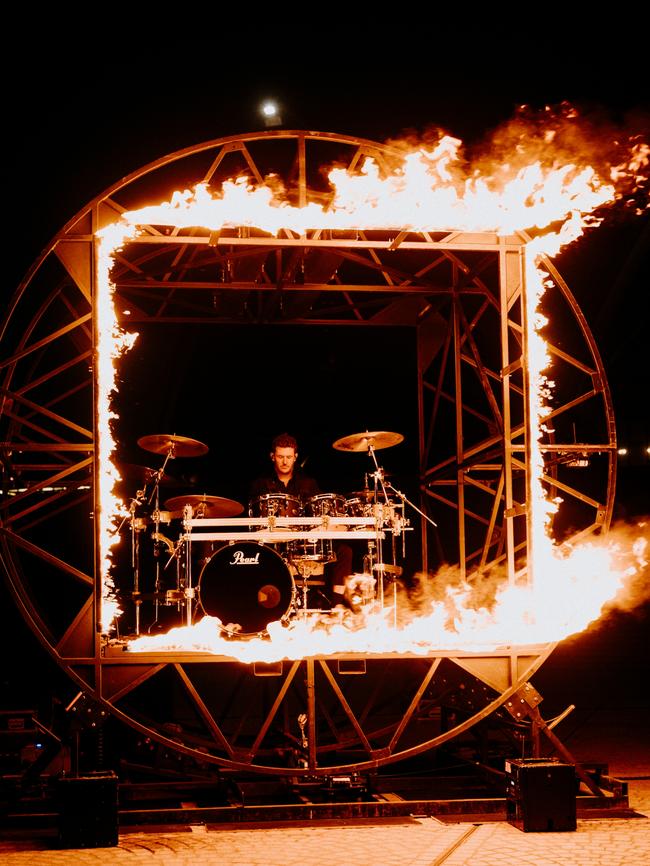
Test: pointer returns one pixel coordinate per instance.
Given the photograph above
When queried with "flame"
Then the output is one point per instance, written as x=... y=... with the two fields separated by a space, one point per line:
x=541 y=180
x=112 y=342
x=570 y=595
x=421 y=195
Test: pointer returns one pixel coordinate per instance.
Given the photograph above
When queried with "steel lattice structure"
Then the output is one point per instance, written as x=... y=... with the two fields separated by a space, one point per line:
x=461 y=294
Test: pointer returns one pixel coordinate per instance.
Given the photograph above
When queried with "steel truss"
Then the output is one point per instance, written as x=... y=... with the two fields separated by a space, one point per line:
x=461 y=294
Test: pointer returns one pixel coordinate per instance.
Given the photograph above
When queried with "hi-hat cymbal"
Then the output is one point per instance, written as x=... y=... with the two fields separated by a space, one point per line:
x=204 y=506
x=145 y=475
x=180 y=446
x=389 y=571
x=363 y=441
x=367 y=494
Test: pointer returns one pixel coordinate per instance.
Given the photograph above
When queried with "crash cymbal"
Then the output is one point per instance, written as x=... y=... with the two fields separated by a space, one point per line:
x=363 y=441
x=144 y=475
x=204 y=506
x=180 y=446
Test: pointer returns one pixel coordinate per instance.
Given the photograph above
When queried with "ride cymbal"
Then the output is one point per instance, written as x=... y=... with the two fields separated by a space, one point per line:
x=204 y=506
x=364 y=441
x=179 y=446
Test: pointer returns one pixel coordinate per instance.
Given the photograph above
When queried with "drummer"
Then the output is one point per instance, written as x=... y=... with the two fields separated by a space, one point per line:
x=286 y=478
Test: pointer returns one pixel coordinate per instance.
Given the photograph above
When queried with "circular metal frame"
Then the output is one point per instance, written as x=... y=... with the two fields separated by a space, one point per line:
x=361 y=712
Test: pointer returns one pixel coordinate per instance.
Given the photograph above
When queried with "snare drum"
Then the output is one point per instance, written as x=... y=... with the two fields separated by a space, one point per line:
x=247 y=585
x=319 y=549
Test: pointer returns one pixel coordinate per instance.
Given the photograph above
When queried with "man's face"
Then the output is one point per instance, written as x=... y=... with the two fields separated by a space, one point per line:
x=283 y=460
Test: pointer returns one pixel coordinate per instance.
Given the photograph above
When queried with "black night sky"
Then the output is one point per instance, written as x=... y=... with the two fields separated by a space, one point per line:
x=81 y=112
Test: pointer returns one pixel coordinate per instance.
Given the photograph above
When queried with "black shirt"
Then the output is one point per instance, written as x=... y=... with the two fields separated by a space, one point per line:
x=300 y=486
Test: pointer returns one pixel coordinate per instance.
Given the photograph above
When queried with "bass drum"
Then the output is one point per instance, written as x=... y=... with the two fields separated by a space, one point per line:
x=246 y=585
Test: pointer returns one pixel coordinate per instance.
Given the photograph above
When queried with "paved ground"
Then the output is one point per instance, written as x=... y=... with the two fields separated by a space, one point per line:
x=402 y=842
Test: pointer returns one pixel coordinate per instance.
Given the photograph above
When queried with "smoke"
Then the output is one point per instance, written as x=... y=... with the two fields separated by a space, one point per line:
x=626 y=543
x=561 y=136
x=631 y=545
x=447 y=590
x=555 y=137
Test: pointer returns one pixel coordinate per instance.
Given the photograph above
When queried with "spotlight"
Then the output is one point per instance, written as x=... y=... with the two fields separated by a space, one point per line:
x=622 y=452
x=270 y=111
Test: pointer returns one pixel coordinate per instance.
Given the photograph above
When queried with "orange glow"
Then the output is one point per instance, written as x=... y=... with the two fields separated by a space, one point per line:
x=112 y=342
x=569 y=596
x=422 y=195
x=430 y=190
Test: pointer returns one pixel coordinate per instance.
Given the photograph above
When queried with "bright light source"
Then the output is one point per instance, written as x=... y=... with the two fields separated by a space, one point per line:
x=269 y=109
x=622 y=451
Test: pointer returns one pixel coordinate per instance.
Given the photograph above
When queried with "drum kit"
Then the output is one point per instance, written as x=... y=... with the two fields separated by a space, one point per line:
x=269 y=565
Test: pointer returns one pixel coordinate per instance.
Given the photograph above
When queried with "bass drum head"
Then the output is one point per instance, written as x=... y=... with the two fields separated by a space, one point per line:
x=247 y=586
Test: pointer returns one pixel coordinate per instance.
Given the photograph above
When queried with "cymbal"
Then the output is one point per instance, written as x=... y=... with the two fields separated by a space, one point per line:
x=391 y=571
x=363 y=441
x=144 y=474
x=367 y=494
x=181 y=446
x=204 y=506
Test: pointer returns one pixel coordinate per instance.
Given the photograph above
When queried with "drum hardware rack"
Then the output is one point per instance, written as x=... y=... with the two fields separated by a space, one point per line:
x=275 y=520
x=262 y=531
x=279 y=530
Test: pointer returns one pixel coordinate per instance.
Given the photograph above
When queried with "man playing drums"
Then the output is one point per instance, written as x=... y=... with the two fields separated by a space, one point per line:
x=287 y=493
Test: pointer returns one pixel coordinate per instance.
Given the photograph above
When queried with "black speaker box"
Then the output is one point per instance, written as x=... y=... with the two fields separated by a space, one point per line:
x=541 y=795
x=87 y=810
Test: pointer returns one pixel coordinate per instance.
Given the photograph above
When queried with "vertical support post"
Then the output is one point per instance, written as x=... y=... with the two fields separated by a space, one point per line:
x=460 y=472
x=529 y=434
x=98 y=588
x=311 y=712
x=510 y=283
x=302 y=172
x=422 y=442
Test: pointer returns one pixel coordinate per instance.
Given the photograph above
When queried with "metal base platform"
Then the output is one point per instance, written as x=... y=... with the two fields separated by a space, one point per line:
x=226 y=801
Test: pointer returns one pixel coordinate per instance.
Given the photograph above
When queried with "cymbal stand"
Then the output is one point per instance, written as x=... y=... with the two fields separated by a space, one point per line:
x=156 y=477
x=378 y=476
x=137 y=525
x=189 y=589
x=156 y=545
x=160 y=472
